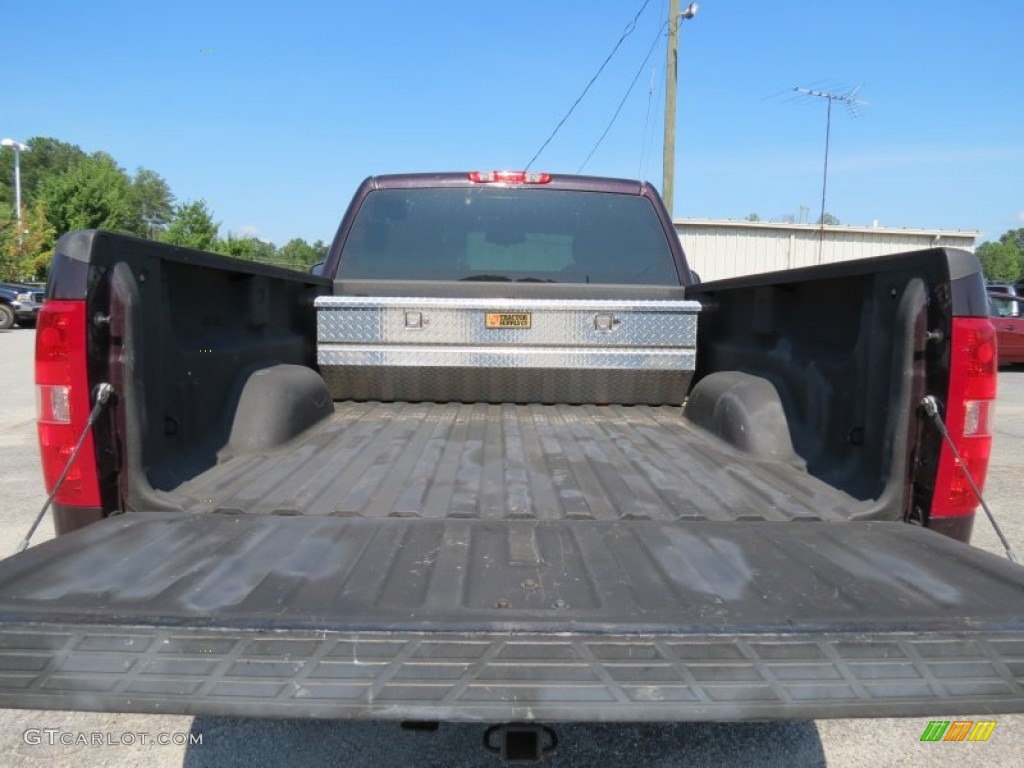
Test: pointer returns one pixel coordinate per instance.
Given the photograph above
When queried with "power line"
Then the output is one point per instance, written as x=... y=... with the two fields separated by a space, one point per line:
x=626 y=33
x=659 y=109
x=647 y=123
x=629 y=90
x=656 y=73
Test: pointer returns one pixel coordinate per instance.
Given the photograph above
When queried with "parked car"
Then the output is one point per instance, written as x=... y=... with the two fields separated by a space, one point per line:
x=9 y=308
x=1004 y=295
x=1009 y=327
x=22 y=305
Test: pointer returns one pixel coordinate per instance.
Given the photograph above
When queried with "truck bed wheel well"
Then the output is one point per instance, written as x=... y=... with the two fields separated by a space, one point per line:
x=744 y=411
x=276 y=404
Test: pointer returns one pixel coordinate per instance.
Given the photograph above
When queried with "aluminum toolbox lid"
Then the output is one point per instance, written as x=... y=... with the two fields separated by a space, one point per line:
x=423 y=321
x=685 y=306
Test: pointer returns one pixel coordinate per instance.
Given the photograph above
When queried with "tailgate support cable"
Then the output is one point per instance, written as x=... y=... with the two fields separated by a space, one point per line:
x=931 y=407
x=103 y=393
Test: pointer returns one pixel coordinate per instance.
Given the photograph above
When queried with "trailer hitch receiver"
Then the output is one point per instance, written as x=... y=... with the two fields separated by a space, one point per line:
x=520 y=742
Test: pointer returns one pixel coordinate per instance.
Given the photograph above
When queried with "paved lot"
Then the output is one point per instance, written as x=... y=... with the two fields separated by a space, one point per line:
x=225 y=742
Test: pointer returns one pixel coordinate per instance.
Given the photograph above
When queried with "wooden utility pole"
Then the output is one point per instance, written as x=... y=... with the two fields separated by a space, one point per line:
x=668 y=168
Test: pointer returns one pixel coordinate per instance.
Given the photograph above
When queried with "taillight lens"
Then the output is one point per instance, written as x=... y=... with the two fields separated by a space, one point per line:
x=509 y=177
x=972 y=390
x=63 y=404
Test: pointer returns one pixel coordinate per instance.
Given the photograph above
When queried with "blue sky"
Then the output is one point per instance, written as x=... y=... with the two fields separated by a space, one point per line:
x=274 y=112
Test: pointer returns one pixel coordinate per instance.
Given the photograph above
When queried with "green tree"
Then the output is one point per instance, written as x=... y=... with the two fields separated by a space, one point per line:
x=1001 y=261
x=38 y=241
x=192 y=226
x=93 y=193
x=154 y=203
x=1014 y=237
x=26 y=255
x=321 y=249
x=828 y=219
x=11 y=265
x=248 y=248
x=47 y=158
x=298 y=254
x=752 y=217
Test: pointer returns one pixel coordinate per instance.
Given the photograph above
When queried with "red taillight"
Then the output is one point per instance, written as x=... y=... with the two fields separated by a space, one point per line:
x=972 y=390
x=509 y=177
x=63 y=402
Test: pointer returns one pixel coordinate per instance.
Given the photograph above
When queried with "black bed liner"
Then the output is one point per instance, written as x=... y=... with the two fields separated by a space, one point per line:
x=514 y=461
x=389 y=618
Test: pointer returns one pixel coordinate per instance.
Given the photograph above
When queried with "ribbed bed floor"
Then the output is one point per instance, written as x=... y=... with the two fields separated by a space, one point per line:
x=511 y=461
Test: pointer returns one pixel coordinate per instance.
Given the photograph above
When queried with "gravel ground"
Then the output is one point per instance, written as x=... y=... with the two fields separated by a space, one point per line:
x=226 y=742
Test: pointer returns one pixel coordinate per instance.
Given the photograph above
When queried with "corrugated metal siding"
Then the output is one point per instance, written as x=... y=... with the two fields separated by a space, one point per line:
x=720 y=249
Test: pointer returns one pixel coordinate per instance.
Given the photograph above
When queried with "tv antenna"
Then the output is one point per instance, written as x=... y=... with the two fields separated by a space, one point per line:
x=852 y=104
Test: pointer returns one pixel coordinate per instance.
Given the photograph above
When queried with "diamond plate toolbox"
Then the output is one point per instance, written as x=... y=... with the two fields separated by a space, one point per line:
x=507 y=350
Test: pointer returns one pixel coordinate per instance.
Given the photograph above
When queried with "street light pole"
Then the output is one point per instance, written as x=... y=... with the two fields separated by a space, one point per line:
x=668 y=169
x=18 y=149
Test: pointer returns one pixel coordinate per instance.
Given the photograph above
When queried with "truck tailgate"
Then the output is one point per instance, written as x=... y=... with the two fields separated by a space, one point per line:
x=332 y=617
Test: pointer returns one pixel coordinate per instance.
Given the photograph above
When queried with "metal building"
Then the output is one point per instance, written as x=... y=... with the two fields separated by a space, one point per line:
x=725 y=248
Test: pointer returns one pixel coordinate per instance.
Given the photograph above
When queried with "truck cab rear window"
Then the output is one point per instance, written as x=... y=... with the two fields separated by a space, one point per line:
x=500 y=234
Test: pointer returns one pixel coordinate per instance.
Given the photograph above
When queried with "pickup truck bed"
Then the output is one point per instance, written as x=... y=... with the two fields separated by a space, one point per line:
x=545 y=462
x=249 y=546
